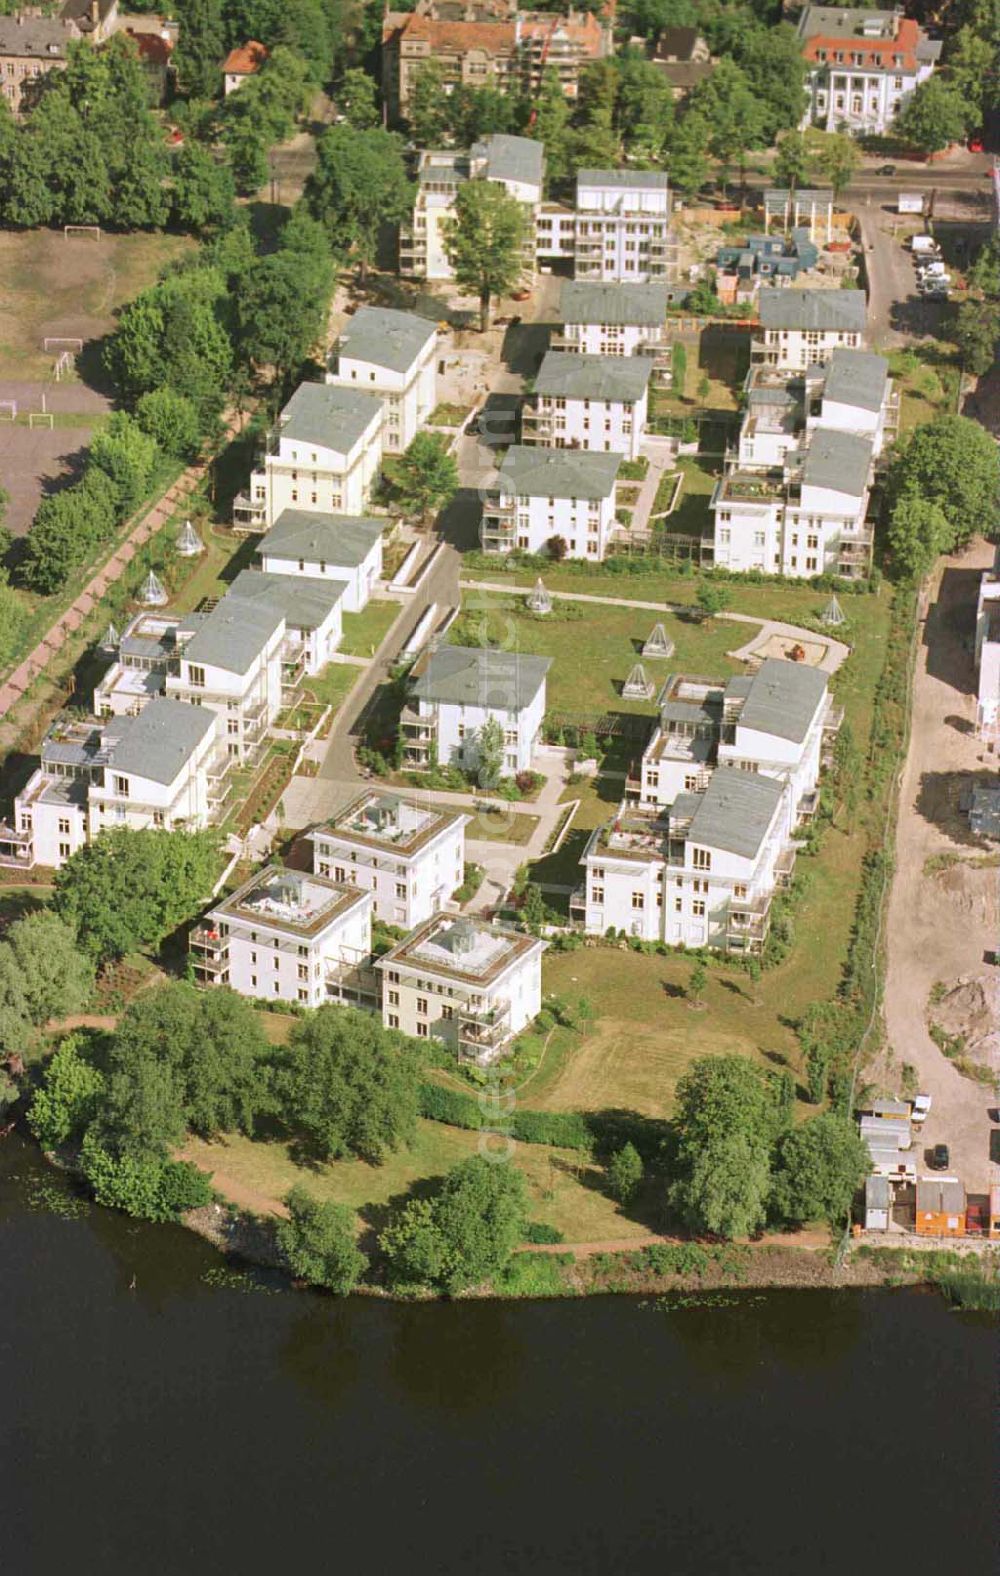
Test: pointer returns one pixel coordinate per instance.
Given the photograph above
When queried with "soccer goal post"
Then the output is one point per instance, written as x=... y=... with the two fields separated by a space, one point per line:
x=51 y=342
x=8 y=409
x=89 y=232
x=40 y=418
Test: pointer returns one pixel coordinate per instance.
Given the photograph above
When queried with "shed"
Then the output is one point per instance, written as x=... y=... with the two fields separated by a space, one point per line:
x=940 y=1207
x=878 y=1203
x=994 y=1227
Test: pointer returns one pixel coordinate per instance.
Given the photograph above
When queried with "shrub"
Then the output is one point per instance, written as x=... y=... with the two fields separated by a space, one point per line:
x=156 y=1190
x=624 y=1172
x=318 y=1240
x=68 y=1096
x=539 y=1232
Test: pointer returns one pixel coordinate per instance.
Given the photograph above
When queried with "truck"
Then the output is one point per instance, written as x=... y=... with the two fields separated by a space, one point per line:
x=921 y=1105
x=910 y=202
x=924 y=246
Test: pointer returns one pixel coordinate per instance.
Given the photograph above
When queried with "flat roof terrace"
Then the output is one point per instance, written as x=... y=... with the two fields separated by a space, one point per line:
x=386 y=821
x=291 y=901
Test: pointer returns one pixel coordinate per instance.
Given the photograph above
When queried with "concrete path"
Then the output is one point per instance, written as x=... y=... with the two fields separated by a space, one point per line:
x=70 y=620
x=941 y=923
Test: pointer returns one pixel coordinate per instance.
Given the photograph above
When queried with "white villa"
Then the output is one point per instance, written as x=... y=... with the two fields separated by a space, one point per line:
x=541 y=493
x=988 y=654
x=237 y=664
x=795 y=495
x=342 y=549
x=801 y=327
x=290 y=936
x=164 y=767
x=312 y=609
x=515 y=163
x=453 y=691
x=410 y=856
x=622 y=224
x=582 y=401
x=462 y=981
x=863 y=66
x=614 y=320
x=323 y=456
x=394 y=355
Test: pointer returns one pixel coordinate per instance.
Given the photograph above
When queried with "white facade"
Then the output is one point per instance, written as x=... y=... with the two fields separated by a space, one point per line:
x=863 y=66
x=411 y=857
x=164 y=767
x=236 y=665
x=394 y=355
x=800 y=328
x=323 y=456
x=459 y=980
x=540 y=494
x=622 y=223
x=326 y=547
x=988 y=655
x=455 y=689
x=290 y=936
x=515 y=163
x=595 y=403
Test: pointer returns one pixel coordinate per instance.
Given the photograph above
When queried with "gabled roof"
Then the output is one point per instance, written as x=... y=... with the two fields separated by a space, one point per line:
x=245 y=59
x=531 y=472
x=843 y=310
x=81 y=13
x=856 y=377
x=234 y=634
x=158 y=742
x=736 y=811
x=342 y=540
x=34 y=37
x=677 y=43
x=510 y=158
x=839 y=461
x=565 y=374
x=644 y=305
x=782 y=699
x=385 y=337
x=330 y=417
x=305 y=603
x=479 y=676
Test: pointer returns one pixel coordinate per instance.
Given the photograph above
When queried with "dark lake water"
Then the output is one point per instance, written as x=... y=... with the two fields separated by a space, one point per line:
x=187 y=1426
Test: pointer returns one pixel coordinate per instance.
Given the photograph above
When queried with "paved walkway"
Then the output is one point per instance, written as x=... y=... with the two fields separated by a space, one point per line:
x=70 y=620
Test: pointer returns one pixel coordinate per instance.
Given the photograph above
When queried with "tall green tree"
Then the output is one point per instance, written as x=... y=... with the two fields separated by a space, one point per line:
x=971 y=60
x=55 y=976
x=977 y=332
x=175 y=336
x=953 y=462
x=129 y=889
x=319 y=1242
x=687 y=161
x=734 y=115
x=67 y=1098
x=820 y=1166
x=204 y=198
x=359 y=185
x=918 y=532
x=793 y=160
x=200 y=47
x=934 y=116
x=725 y=1121
x=551 y=126
x=772 y=63
x=127 y=455
x=485 y=242
x=489 y=752
x=282 y=310
x=837 y=158
x=463 y=1236
x=426 y=476
x=427 y=110
x=357 y=98
x=347 y=1087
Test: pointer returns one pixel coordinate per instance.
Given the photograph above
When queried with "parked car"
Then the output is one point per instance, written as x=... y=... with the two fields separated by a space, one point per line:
x=940 y=1157
x=921 y=1106
x=886 y=169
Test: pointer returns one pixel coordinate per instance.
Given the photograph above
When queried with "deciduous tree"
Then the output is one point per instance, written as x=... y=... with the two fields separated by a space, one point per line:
x=934 y=116
x=347 y=1086
x=624 y=1173
x=820 y=1166
x=129 y=889
x=358 y=185
x=726 y=1124
x=918 y=532
x=426 y=477
x=465 y=1234
x=485 y=242
x=320 y=1243
x=953 y=462
x=68 y=1096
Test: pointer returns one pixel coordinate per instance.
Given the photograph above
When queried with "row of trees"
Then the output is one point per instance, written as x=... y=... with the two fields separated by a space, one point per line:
x=941 y=490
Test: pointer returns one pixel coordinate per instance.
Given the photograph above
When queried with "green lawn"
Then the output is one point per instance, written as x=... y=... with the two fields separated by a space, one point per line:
x=364 y=632
x=333 y=684
x=501 y=826
x=594 y=648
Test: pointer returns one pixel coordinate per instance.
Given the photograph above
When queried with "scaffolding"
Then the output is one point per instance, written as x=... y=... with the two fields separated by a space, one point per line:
x=189 y=543
x=540 y=600
x=833 y=614
x=153 y=593
x=637 y=685
x=658 y=643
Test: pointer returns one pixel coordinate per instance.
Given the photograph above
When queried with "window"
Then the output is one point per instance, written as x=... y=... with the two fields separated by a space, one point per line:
x=447 y=1012
x=698 y=909
x=121 y=787
x=597 y=896
x=678 y=905
x=422 y=1006
x=64 y=851
x=303 y=995
x=812 y=564
x=159 y=819
x=277 y=988
x=702 y=859
x=690 y=784
x=638 y=900
x=394 y=998
x=339 y=873
x=421 y=1031
x=64 y=826
x=277 y=961
x=740 y=889
x=598 y=872
x=303 y=971
x=393 y=1020
x=393 y=975
x=303 y=952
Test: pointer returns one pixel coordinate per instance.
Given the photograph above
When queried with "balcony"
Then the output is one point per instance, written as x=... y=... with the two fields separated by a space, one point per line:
x=293 y=665
x=784 y=866
x=249 y=514
x=209 y=953
x=497 y=536
x=351 y=981
x=483 y=1031
x=16 y=847
x=808 y=805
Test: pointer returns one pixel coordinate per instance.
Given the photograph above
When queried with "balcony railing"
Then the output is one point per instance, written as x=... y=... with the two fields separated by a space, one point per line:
x=349 y=980
x=418 y=728
x=209 y=950
x=784 y=865
x=16 y=847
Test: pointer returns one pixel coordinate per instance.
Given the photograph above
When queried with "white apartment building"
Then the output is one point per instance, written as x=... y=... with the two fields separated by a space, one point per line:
x=410 y=856
x=341 y=549
x=164 y=767
x=391 y=354
x=469 y=984
x=541 y=494
x=988 y=654
x=453 y=691
x=622 y=224
x=852 y=392
x=589 y=402
x=287 y=935
x=323 y=456
x=863 y=66
x=238 y=663
x=515 y=163
x=614 y=320
x=313 y=612
x=804 y=516
x=700 y=873
x=801 y=327
x=148 y=649
x=775 y=722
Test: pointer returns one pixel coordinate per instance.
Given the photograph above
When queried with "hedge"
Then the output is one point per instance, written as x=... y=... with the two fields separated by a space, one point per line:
x=586 y=1131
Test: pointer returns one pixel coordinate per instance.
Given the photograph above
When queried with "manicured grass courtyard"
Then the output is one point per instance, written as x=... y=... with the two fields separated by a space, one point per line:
x=501 y=826
x=364 y=632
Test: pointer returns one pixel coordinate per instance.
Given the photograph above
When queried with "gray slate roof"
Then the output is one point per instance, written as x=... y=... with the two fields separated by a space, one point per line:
x=510 y=158
x=160 y=740
x=856 y=377
x=736 y=811
x=234 y=634
x=305 y=603
x=840 y=461
x=34 y=37
x=478 y=676
x=566 y=374
x=582 y=302
x=385 y=337
x=839 y=310
x=558 y=473
x=646 y=180
x=782 y=698
x=343 y=540
x=332 y=417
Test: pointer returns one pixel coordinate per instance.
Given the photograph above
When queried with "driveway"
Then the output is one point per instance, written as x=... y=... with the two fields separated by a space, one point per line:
x=942 y=922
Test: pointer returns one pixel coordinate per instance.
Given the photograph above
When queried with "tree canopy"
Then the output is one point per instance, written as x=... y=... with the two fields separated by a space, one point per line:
x=935 y=115
x=725 y=1121
x=426 y=476
x=485 y=242
x=952 y=462
x=129 y=889
x=358 y=185
x=464 y=1234
x=819 y=1167
x=347 y=1086
x=319 y=1243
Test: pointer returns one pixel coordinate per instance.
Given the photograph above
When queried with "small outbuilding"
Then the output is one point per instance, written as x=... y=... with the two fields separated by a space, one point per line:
x=940 y=1207
x=878 y=1203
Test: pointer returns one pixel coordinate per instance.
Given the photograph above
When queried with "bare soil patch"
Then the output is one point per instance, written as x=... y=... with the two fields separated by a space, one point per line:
x=38 y=461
